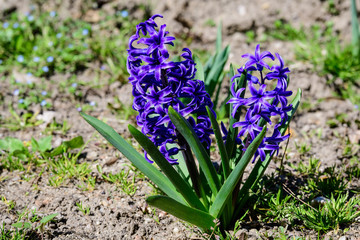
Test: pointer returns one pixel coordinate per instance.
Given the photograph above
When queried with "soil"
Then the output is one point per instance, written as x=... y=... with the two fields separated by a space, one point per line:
x=115 y=215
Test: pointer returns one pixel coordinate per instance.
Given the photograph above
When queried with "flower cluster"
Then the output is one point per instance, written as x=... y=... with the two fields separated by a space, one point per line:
x=263 y=103
x=159 y=83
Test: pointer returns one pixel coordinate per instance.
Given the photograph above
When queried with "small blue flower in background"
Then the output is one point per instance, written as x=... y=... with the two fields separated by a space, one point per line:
x=50 y=43
x=36 y=59
x=45 y=68
x=50 y=59
x=103 y=67
x=20 y=58
x=35 y=48
x=43 y=103
x=52 y=14
x=58 y=35
x=70 y=45
x=1 y=61
x=92 y=103
x=21 y=101
x=124 y=13
x=79 y=109
x=44 y=93
x=74 y=85
x=85 y=32
x=30 y=18
x=5 y=25
x=15 y=25
x=16 y=92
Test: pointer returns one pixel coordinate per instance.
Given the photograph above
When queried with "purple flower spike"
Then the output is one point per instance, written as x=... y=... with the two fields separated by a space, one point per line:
x=263 y=103
x=159 y=83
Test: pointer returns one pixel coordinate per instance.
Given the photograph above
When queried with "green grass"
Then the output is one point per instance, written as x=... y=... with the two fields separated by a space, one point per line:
x=44 y=44
x=29 y=225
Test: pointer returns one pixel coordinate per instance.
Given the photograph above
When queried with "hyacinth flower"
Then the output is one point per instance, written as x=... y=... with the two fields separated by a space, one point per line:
x=263 y=103
x=177 y=121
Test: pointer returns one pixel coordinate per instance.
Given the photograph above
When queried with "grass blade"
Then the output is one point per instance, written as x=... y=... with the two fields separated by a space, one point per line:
x=191 y=215
x=180 y=184
x=203 y=158
x=136 y=158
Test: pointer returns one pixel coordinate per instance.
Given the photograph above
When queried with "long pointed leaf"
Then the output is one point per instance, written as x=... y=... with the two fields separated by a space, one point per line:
x=220 y=143
x=191 y=215
x=355 y=29
x=183 y=126
x=180 y=184
x=212 y=78
x=226 y=190
x=130 y=153
x=199 y=69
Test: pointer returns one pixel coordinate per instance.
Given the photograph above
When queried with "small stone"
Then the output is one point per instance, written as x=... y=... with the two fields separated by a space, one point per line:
x=7 y=221
x=343 y=238
x=319 y=201
x=175 y=230
x=147 y=220
x=92 y=155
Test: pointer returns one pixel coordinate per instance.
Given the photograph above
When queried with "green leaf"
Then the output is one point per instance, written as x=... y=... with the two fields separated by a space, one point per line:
x=226 y=190
x=261 y=166
x=199 y=69
x=181 y=167
x=130 y=153
x=74 y=143
x=42 y=145
x=212 y=79
x=191 y=215
x=22 y=225
x=15 y=145
x=355 y=29
x=183 y=126
x=220 y=143
x=48 y=218
x=180 y=184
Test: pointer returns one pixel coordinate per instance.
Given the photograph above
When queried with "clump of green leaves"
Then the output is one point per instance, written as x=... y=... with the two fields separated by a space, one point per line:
x=28 y=226
x=82 y=208
x=331 y=215
x=61 y=162
x=121 y=180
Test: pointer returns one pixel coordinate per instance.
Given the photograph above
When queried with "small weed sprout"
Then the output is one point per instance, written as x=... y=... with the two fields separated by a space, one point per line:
x=82 y=208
